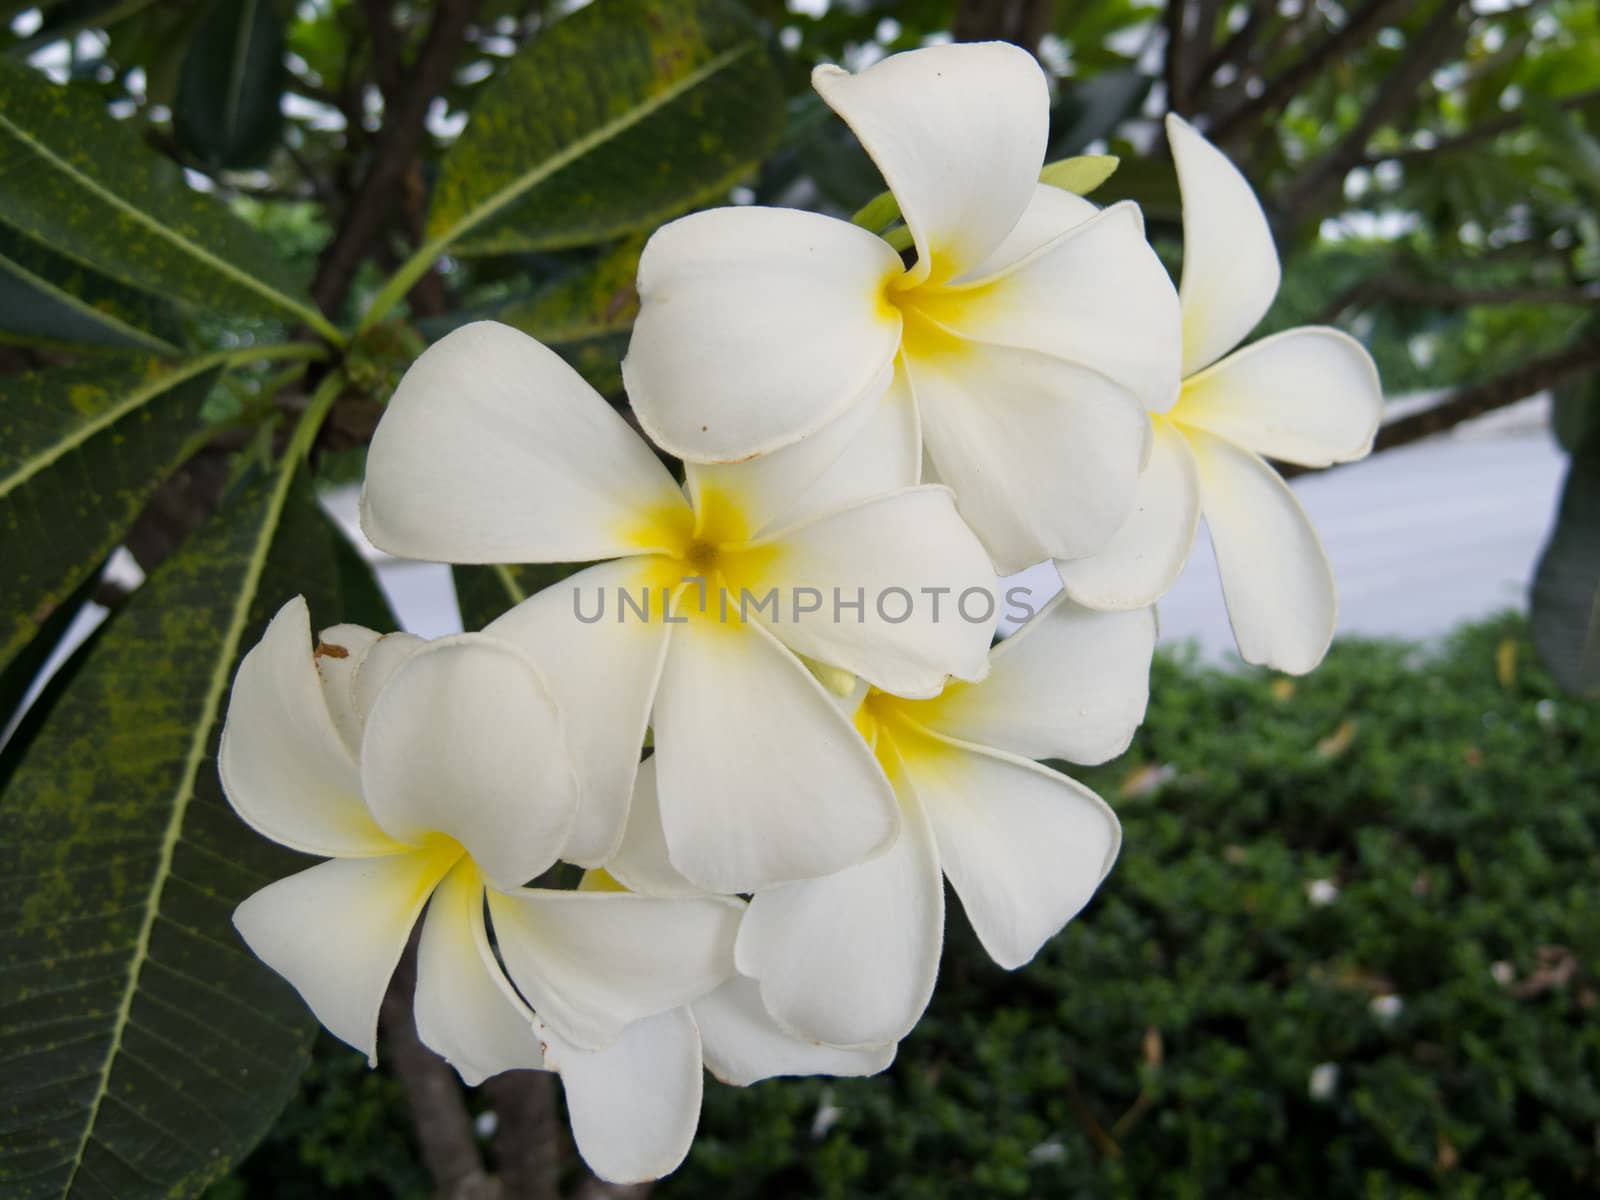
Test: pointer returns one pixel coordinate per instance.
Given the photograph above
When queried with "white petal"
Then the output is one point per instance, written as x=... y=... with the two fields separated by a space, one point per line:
x=1309 y=396
x=467 y=1012
x=959 y=134
x=1096 y=296
x=377 y=664
x=1024 y=846
x=284 y=767
x=1230 y=265
x=762 y=779
x=641 y=863
x=756 y=327
x=603 y=674
x=1043 y=455
x=851 y=958
x=465 y=740
x=924 y=584
x=1051 y=212
x=744 y=1045
x=493 y=450
x=635 y=1105
x=875 y=447
x=1148 y=552
x=1072 y=683
x=593 y=962
x=336 y=931
x=1276 y=577
x=340 y=649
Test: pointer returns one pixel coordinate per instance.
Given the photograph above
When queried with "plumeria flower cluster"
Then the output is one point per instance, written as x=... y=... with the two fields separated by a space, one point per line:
x=770 y=719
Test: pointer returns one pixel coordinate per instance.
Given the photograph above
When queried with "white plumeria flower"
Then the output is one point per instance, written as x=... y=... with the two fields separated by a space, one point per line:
x=1019 y=344
x=850 y=959
x=494 y=450
x=436 y=774
x=1309 y=396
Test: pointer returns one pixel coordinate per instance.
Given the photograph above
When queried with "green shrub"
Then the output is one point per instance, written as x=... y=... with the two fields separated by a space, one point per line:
x=1165 y=1045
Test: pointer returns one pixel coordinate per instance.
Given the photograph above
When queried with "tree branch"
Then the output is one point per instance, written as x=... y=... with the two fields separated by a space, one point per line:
x=1438 y=39
x=1404 y=291
x=528 y=1135
x=1487 y=131
x=404 y=125
x=1283 y=87
x=438 y=1112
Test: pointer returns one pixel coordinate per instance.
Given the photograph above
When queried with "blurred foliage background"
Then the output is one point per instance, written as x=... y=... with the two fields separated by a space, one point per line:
x=1348 y=949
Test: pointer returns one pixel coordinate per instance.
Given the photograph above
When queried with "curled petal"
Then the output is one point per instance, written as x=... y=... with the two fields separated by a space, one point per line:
x=340 y=649
x=1043 y=455
x=762 y=779
x=465 y=741
x=1072 y=683
x=493 y=450
x=959 y=134
x=603 y=674
x=1024 y=847
x=336 y=931
x=851 y=958
x=1230 y=265
x=285 y=767
x=1276 y=576
x=634 y=1106
x=876 y=572
x=1146 y=555
x=743 y=1044
x=641 y=863
x=467 y=1012
x=1309 y=396
x=757 y=326
x=592 y=963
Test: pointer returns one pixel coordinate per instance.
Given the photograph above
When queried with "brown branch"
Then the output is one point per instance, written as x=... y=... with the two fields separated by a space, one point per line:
x=1283 y=87
x=1438 y=39
x=398 y=141
x=1237 y=47
x=438 y=1111
x=1485 y=132
x=1404 y=291
x=1021 y=22
x=528 y=1134
x=387 y=67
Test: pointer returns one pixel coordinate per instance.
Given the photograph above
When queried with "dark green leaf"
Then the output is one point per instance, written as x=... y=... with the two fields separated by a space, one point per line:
x=1091 y=110
x=1565 y=610
x=227 y=111
x=1576 y=411
x=20 y=673
x=597 y=298
x=81 y=182
x=485 y=592
x=50 y=297
x=620 y=116
x=81 y=450
x=146 y=1048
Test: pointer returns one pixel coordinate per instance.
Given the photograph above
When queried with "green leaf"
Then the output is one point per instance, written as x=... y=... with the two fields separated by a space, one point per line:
x=147 y=1049
x=50 y=297
x=81 y=450
x=1080 y=174
x=616 y=118
x=596 y=299
x=484 y=593
x=1565 y=609
x=81 y=182
x=227 y=111
x=1576 y=411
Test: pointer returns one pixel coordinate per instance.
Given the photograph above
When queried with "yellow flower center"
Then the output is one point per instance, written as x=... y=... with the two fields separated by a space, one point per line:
x=707 y=552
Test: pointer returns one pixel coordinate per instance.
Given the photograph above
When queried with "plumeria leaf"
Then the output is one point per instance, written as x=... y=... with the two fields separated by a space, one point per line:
x=617 y=118
x=1081 y=174
x=227 y=111
x=147 y=1048
x=1565 y=608
x=82 y=448
x=484 y=593
x=596 y=299
x=51 y=298
x=75 y=178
